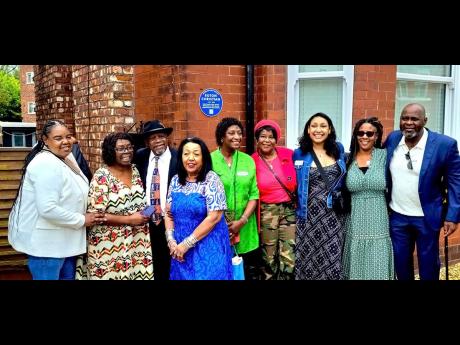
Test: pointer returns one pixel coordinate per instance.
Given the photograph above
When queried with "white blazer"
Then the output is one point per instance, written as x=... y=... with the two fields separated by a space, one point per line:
x=48 y=217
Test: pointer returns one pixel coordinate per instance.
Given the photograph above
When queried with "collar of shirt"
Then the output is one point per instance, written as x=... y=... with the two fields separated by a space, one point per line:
x=420 y=145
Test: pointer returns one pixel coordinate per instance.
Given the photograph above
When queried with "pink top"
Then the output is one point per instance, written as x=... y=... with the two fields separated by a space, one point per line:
x=270 y=190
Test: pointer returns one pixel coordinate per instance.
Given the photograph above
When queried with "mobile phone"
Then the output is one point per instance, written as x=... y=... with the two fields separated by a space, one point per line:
x=148 y=211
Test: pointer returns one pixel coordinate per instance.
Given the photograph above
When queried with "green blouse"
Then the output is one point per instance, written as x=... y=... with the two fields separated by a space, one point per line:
x=240 y=186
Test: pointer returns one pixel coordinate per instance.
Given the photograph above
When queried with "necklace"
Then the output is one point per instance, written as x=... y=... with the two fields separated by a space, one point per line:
x=319 y=155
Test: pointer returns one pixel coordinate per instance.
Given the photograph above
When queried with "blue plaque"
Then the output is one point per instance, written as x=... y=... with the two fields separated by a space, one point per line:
x=211 y=102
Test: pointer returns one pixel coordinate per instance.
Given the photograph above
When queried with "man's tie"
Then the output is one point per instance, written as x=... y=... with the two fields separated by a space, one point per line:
x=155 y=193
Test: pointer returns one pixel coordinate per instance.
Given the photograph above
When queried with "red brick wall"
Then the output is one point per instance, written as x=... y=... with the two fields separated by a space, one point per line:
x=108 y=109
x=374 y=94
x=27 y=93
x=271 y=95
x=170 y=93
x=53 y=94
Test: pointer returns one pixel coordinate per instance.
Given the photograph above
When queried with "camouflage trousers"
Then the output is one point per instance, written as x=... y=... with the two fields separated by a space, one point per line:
x=277 y=224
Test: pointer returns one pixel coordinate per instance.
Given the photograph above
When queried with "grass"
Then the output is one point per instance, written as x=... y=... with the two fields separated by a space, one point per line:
x=454 y=273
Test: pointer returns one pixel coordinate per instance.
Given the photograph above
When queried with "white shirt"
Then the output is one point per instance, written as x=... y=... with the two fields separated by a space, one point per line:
x=404 y=194
x=163 y=169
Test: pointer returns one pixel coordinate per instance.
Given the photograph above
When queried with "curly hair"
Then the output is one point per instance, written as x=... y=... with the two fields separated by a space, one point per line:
x=268 y=128
x=354 y=146
x=330 y=145
x=207 y=162
x=108 y=146
x=222 y=127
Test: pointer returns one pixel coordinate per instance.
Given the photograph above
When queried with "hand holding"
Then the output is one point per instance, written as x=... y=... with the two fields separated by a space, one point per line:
x=449 y=228
x=138 y=219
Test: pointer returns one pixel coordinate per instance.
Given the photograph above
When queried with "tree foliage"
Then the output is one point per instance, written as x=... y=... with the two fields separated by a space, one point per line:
x=10 y=100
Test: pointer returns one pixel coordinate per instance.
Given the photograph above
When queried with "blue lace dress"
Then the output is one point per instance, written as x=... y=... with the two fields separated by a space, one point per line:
x=211 y=258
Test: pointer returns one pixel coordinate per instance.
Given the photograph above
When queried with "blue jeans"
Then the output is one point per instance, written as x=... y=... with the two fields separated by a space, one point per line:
x=52 y=268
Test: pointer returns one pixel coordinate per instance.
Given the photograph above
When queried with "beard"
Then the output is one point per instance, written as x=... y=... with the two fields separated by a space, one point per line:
x=409 y=135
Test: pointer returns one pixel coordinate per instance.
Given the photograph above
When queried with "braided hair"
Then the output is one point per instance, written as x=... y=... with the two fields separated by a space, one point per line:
x=49 y=125
x=354 y=146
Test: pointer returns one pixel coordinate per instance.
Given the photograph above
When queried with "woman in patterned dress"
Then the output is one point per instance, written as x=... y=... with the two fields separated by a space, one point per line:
x=120 y=248
x=368 y=252
x=319 y=229
x=196 y=230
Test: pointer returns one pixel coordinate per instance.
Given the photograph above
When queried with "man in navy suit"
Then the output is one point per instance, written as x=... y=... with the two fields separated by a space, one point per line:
x=156 y=139
x=421 y=165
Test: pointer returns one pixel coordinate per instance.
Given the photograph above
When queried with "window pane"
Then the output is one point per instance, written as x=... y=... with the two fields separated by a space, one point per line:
x=29 y=78
x=320 y=68
x=434 y=70
x=430 y=95
x=321 y=95
x=18 y=139
x=31 y=108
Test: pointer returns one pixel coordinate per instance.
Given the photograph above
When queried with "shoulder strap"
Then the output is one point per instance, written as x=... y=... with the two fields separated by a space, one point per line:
x=291 y=195
x=321 y=170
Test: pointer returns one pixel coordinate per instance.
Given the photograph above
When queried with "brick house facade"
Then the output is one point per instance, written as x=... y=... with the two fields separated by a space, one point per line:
x=98 y=99
x=27 y=92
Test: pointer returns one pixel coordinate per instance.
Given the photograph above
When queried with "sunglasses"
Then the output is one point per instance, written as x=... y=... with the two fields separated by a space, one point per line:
x=369 y=134
x=409 y=161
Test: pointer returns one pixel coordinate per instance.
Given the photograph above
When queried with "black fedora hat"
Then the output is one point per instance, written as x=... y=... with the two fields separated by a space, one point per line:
x=155 y=126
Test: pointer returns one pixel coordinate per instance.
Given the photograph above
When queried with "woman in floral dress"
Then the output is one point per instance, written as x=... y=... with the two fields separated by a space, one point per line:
x=120 y=247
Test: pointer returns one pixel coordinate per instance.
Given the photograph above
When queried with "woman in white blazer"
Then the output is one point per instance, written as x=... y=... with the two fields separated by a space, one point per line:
x=48 y=219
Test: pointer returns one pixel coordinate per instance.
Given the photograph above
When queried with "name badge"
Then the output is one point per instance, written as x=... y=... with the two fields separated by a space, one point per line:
x=242 y=173
x=298 y=163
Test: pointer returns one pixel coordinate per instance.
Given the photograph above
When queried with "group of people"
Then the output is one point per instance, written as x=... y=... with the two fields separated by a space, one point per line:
x=164 y=214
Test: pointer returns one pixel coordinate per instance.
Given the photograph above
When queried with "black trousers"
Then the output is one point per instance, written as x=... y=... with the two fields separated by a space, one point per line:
x=160 y=251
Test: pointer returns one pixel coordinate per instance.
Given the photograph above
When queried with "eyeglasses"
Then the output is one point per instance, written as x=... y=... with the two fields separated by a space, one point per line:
x=124 y=149
x=409 y=161
x=369 y=134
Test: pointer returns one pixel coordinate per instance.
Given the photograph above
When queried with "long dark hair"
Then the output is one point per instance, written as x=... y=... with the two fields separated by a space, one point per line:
x=354 y=146
x=49 y=125
x=330 y=145
x=207 y=162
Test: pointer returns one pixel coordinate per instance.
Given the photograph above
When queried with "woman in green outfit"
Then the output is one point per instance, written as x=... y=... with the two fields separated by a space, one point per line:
x=237 y=172
x=368 y=252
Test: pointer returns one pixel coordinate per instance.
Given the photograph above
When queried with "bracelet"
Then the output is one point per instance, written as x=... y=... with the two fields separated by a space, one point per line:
x=190 y=241
x=244 y=218
x=170 y=235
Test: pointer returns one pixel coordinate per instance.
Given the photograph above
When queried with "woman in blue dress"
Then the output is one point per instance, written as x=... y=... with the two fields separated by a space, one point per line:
x=196 y=230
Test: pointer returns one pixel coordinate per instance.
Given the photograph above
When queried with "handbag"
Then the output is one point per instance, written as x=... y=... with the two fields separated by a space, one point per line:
x=341 y=199
x=238 y=266
x=292 y=195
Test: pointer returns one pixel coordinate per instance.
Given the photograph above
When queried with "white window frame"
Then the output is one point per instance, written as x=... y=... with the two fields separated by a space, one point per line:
x=28 y=107
x=451 y=101
x=294 y=78
x=18 y=134
x=29 y=77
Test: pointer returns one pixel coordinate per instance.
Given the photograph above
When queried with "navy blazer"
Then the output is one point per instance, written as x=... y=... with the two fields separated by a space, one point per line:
x=141 y=159
x=440 y=169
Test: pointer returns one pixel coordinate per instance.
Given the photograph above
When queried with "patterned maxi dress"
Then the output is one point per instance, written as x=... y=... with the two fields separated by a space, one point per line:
x=368 y=252
x=211 y=258
x=117 y=251
x=319 y=239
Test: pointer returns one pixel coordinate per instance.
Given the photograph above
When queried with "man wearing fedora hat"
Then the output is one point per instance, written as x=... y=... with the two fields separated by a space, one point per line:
x=157 y=157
